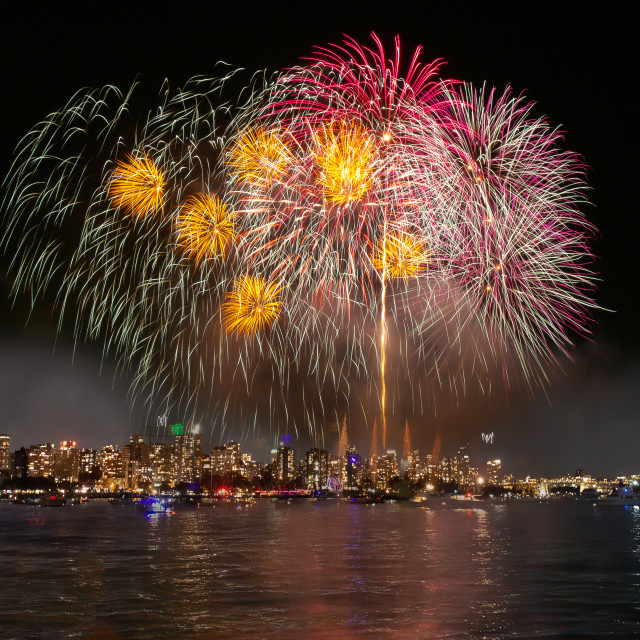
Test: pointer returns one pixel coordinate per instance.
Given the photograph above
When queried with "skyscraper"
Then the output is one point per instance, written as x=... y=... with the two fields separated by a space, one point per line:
x=387 y=469
x=5 y=455
x=41 y=460
x=67 y=462
x=186 y=458
x=111 y=467
x=285 y=465
x=317 y=468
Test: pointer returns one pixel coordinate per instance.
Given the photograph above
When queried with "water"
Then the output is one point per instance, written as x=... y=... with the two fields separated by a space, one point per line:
x=520 y=569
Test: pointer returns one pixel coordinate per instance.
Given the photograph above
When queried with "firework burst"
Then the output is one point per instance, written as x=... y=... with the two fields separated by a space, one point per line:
x=340 y=202
x=204 y=228
x=137 y=186
x=252 y=306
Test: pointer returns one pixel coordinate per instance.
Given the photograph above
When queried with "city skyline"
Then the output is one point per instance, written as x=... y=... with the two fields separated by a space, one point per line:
x=590 y=409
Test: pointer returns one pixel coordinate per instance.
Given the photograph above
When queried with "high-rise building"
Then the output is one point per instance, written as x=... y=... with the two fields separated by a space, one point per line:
x=67 y=462
x=88 y=461
x=429 y=469
x=285 y=465
x=445 y=470
x=20 y=464
x=353 y=468
x=462 y=468
x=414 y=471
x=41 y=460
x=317 y=468
x=160 y=460
x=186 y=458
x=5 y=454
x=227 y=459
x=387 y=469
x=111 y=467
x=250 y=468
x=136 y=464
x=494 y=472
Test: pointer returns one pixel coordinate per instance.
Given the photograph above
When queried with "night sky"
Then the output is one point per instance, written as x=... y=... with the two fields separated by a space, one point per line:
x=579 y=65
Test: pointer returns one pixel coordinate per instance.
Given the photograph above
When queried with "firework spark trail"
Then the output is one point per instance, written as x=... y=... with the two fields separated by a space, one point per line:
x=283 y=232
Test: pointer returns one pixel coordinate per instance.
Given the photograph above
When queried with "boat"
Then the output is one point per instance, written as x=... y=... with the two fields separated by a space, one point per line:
x=155 y=505
x=623 y=494
x=52 y=500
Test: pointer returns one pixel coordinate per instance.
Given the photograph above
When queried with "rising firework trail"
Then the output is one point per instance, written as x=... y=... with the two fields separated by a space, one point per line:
x=353 y=222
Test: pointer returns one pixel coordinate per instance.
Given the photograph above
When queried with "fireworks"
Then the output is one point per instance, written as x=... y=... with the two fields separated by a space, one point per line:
x=402 y=255
x=252 y=306
x=137 y=186
x=204 y=228
x=340 y=211
x=346 y=162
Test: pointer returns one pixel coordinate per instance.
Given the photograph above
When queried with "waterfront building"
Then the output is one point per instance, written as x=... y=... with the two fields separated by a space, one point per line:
x=186 y=458
x=354 y=471
x=41 y=460
x=136 y=464
x=494 y=472
x=250 y=468
x=414 y=471
x=387 y=469
x=111 y=467
x=88 y=461
x=5 y=453
x=285 y=465
x=160 y=462
x=445 y=470
x=227 y=459
x=67 y=462
x=317 y=468
x=459 y=469
x=20 y=464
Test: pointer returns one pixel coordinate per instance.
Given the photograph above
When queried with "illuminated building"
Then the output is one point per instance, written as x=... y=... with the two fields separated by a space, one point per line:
x=136 y=464
x=414 y=472
x=387 y=469
x=317 y=468
x=445 y=470
x=227 y=459
x=160 y=461
x=5 y=455
x=67 y=462
x=111 y=467
x=186 y=457
x=462 y=471
x=429 y=469
x=494 y=472
x=285 y=464
x=250 y=468
x=88 y=461
x=353 y=469
x=41 y=460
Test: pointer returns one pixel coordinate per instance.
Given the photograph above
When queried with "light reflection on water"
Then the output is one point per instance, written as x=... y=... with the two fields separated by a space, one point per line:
x=325 y=569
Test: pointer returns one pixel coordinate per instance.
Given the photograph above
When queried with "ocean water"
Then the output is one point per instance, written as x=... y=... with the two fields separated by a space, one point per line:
x=325 y=569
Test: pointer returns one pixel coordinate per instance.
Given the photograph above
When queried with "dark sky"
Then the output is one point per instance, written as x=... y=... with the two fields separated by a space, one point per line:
x=581 y=67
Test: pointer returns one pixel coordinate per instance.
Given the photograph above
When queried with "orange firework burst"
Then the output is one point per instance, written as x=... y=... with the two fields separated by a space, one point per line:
x=253 y=305
x=137 y=186
x=205 y=227
x=346 y=157
x=260 y=157
x=402 y=255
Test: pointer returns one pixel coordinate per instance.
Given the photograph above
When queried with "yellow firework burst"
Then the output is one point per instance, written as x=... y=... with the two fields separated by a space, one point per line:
x=346 y=156
x=259 y=157
x=253 y=305
x=204 y=227
x=137 y=186
x=401 y=255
